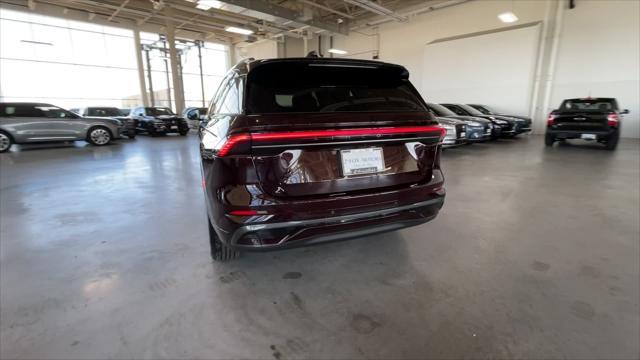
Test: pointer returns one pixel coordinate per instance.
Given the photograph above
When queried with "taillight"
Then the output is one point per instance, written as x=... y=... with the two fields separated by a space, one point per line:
x=242 y=139
x=551 y=120
x=613 y=119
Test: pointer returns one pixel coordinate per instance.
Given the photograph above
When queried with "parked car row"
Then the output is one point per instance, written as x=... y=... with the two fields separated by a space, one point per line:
x=24 y=123
x=467 y=123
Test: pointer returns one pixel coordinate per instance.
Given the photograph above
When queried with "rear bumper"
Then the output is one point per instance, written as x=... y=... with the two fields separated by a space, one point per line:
x=576 y=134
x=312 y=231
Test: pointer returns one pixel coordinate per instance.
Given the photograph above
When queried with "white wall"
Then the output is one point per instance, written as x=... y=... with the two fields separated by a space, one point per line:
x=501 y=66
x=403 y=43
x=599 y=55
x=614 y=24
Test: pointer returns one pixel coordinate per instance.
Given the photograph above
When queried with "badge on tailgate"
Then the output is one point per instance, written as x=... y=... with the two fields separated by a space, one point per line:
x=362 y=161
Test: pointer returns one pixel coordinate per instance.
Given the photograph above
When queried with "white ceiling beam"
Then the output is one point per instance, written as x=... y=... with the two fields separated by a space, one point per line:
x=116 y=11
x=377 y=9
x=282 y=12
x=323 y=7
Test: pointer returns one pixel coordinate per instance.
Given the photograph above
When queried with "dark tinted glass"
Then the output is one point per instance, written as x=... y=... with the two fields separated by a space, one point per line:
x=589 y=104
x=103 y=111
x=12 y=110
x=157 y=111
x=470 y=110
x=325 y=89
x=440 y=110
x=482 y=109
x=456 y=109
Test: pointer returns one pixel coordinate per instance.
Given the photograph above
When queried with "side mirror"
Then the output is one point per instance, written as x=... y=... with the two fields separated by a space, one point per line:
x=625 y=111
x=193 y=115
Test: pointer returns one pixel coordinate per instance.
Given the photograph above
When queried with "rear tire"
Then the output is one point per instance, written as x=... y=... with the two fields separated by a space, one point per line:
x=5 y=142
x=184 y=133
x=612 y=141
x=131 y=137
x=219 y=251
x=99 y=136
x=549 y=140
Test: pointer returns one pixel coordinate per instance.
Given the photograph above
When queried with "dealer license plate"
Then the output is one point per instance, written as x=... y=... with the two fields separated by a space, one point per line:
x=362 y=161
x=588 y=136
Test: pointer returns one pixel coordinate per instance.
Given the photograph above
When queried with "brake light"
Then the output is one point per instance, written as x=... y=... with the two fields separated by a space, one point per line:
x=234 y=140
x=551 y=120
x=613 y=119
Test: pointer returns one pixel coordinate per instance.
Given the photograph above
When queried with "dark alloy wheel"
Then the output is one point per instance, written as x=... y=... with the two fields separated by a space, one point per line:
x=219 y=251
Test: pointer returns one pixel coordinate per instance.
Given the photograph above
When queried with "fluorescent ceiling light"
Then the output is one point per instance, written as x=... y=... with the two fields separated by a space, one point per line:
x=508 y=17
x=238 y=30
x=208 y=4
x=337 y=51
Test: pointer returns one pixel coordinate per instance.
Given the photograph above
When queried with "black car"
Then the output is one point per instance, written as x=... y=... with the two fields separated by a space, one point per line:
x=589 y=118
x=503 y=126
x=158 y=121
x=456 y=132
x=128 y=125
x=477 y=129
x=523 y=123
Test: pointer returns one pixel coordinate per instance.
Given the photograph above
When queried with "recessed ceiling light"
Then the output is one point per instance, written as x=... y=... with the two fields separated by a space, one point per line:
x=203 y=6
x=238 y=30
x=337 y=51
x=508 y=17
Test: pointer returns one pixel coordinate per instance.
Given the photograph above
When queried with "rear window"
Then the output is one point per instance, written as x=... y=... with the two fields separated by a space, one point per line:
x=106 y=111
x=157 y=111
x=589 y=105
x=306 y=88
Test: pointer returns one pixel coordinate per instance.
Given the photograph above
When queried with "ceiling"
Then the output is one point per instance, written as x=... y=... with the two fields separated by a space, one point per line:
x=208 y=19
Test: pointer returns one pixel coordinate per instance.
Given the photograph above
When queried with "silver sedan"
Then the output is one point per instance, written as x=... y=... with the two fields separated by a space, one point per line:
x=22 y=123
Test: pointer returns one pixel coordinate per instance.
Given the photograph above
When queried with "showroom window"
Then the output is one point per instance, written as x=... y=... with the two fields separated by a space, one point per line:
x=75 y=64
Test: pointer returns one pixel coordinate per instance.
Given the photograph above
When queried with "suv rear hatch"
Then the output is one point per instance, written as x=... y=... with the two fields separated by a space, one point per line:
x=321 y=127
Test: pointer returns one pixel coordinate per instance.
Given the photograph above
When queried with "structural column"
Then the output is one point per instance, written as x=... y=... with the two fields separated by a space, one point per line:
x=178 y=94
x=138 y=49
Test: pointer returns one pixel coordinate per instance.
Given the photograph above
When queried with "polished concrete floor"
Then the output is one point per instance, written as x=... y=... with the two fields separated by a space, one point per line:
x=104 y=254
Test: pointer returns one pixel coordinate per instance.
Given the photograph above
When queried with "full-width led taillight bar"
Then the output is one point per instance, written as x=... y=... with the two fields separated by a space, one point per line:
x=234 y=140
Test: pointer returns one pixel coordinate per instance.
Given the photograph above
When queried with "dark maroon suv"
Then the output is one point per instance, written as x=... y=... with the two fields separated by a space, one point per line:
x=308 y=150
